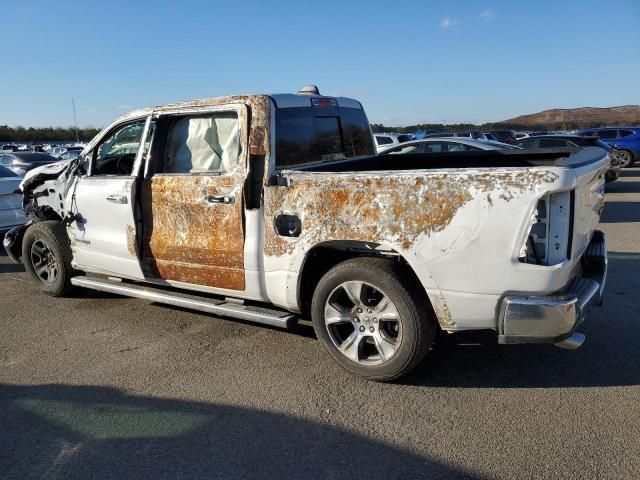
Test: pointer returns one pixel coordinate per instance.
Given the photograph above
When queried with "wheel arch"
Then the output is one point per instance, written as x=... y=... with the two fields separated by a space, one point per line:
x=324 y=256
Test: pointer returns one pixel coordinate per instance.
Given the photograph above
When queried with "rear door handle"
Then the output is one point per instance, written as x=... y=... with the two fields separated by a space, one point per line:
x=227 y=199
x=120 y=199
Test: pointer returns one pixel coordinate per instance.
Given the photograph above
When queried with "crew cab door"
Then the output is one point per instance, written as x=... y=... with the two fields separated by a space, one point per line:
x=103 y=235
x=192 y=198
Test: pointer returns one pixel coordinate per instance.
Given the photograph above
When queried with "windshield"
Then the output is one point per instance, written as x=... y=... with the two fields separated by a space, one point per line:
x=320 y=134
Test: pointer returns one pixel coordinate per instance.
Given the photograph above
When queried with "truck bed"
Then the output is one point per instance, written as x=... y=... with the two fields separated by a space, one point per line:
x=559 y=157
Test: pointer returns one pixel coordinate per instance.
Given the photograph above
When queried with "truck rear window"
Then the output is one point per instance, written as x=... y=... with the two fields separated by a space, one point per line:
x=320 y=134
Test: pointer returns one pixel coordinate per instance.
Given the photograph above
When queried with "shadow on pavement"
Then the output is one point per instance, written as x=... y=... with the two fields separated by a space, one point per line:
x=630 y=172
x=69 y=432
x=11 y=268
x=620 y=212
x=609 y=356
x=623 y=187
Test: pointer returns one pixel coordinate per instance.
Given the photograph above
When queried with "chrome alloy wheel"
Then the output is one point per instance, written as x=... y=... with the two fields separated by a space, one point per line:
x=44 y=262
x=363 y=323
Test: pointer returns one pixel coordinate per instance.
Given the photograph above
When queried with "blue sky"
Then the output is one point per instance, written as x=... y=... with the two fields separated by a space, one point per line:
x=408 y=62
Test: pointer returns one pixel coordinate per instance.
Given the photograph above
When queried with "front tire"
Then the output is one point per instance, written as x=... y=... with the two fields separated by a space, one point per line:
x=370 y=321
x=46 y=255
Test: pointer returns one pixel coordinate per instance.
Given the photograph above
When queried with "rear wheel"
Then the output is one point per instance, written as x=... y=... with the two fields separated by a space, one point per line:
x=46 y=255
x=371 y=323
x=624 y=158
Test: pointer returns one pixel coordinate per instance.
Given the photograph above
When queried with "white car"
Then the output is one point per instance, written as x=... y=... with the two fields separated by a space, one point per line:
x=447 y=145
x=387 y=140
x=11 y=214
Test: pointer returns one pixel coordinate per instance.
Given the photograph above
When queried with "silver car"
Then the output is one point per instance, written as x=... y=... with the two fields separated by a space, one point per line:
x=447 y=145
x=387 y=140
x=11 y=214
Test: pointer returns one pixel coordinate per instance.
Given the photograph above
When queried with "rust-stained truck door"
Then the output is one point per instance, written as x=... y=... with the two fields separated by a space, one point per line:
x=192 y=198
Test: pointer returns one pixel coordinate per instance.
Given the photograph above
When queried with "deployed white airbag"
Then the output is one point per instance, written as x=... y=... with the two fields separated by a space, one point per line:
x=204 y=144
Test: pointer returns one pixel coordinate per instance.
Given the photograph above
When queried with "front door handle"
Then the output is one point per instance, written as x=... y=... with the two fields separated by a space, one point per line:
x=226 y=199
x=120 y=199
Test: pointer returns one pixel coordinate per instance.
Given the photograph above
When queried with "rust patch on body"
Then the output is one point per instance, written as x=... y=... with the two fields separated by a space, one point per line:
x=131 y=240
x=390 y=207
x=188 y=239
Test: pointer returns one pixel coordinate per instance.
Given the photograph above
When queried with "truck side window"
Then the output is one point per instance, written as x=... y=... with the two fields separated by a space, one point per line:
x=203 y=144
x=607 y=134
x=117 y=153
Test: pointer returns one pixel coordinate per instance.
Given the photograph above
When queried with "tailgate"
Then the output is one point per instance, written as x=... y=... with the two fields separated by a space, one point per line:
x=588 y=200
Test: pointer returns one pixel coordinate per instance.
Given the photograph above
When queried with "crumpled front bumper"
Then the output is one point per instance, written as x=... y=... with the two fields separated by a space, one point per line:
x=554 y=318
x=12 y=241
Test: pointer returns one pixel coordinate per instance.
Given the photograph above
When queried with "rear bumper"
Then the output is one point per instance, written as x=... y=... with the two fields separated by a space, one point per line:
x=555 y=318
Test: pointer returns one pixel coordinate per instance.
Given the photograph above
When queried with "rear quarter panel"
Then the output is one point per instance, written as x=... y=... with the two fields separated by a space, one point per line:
x=458 y=229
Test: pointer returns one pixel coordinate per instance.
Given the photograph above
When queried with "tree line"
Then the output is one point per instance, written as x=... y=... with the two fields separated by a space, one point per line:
x=45 y=134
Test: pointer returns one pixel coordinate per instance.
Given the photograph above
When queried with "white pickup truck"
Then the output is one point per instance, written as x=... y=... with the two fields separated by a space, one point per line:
x=267 y=208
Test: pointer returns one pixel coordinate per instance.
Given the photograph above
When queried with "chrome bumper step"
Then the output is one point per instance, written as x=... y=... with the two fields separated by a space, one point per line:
x=201 y=303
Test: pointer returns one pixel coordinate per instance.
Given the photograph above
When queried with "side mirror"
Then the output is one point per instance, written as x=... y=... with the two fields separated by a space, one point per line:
x=258 y=139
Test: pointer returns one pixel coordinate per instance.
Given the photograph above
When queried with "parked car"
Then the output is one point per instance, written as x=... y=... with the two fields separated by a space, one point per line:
x=472 y=134
x=626 y=141
x=447 y=145
x=70 y=154
x=490 y=136
x=573 y=141
x=505 y=136
x=11 y=213
x=57 y=151
x=385 y=140
x=270 y=207
x=9 y=148
x=440 y=134
x=21 y=162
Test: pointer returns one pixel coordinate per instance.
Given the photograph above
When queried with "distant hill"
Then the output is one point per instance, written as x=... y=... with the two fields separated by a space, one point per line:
x=575 y=118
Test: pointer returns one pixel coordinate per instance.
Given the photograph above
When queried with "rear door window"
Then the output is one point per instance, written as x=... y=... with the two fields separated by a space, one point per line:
x=434 y=147
x=527 y=143
x=203 y=144
x=413 y=148
x=608 y=134
x=455 y=147
x=384 y=140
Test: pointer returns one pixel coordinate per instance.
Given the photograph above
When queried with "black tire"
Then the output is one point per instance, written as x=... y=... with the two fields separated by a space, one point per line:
x=51 y=238
x=626 y=158
x=418 y=324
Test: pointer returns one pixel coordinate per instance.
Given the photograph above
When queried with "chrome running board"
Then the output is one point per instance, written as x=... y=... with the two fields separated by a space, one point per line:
x=201 y=303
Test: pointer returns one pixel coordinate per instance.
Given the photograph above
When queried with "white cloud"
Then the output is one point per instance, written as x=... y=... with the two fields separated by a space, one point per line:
x=487 y=15
x=448 y=22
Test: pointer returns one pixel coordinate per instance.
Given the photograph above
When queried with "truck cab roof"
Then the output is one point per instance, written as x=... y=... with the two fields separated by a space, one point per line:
x=281 y=100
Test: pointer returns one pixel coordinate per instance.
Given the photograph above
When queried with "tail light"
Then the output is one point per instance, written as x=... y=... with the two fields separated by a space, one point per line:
x=548 y=241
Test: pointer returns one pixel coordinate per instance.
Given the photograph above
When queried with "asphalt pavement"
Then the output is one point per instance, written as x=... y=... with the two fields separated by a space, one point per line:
x=100 y=386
